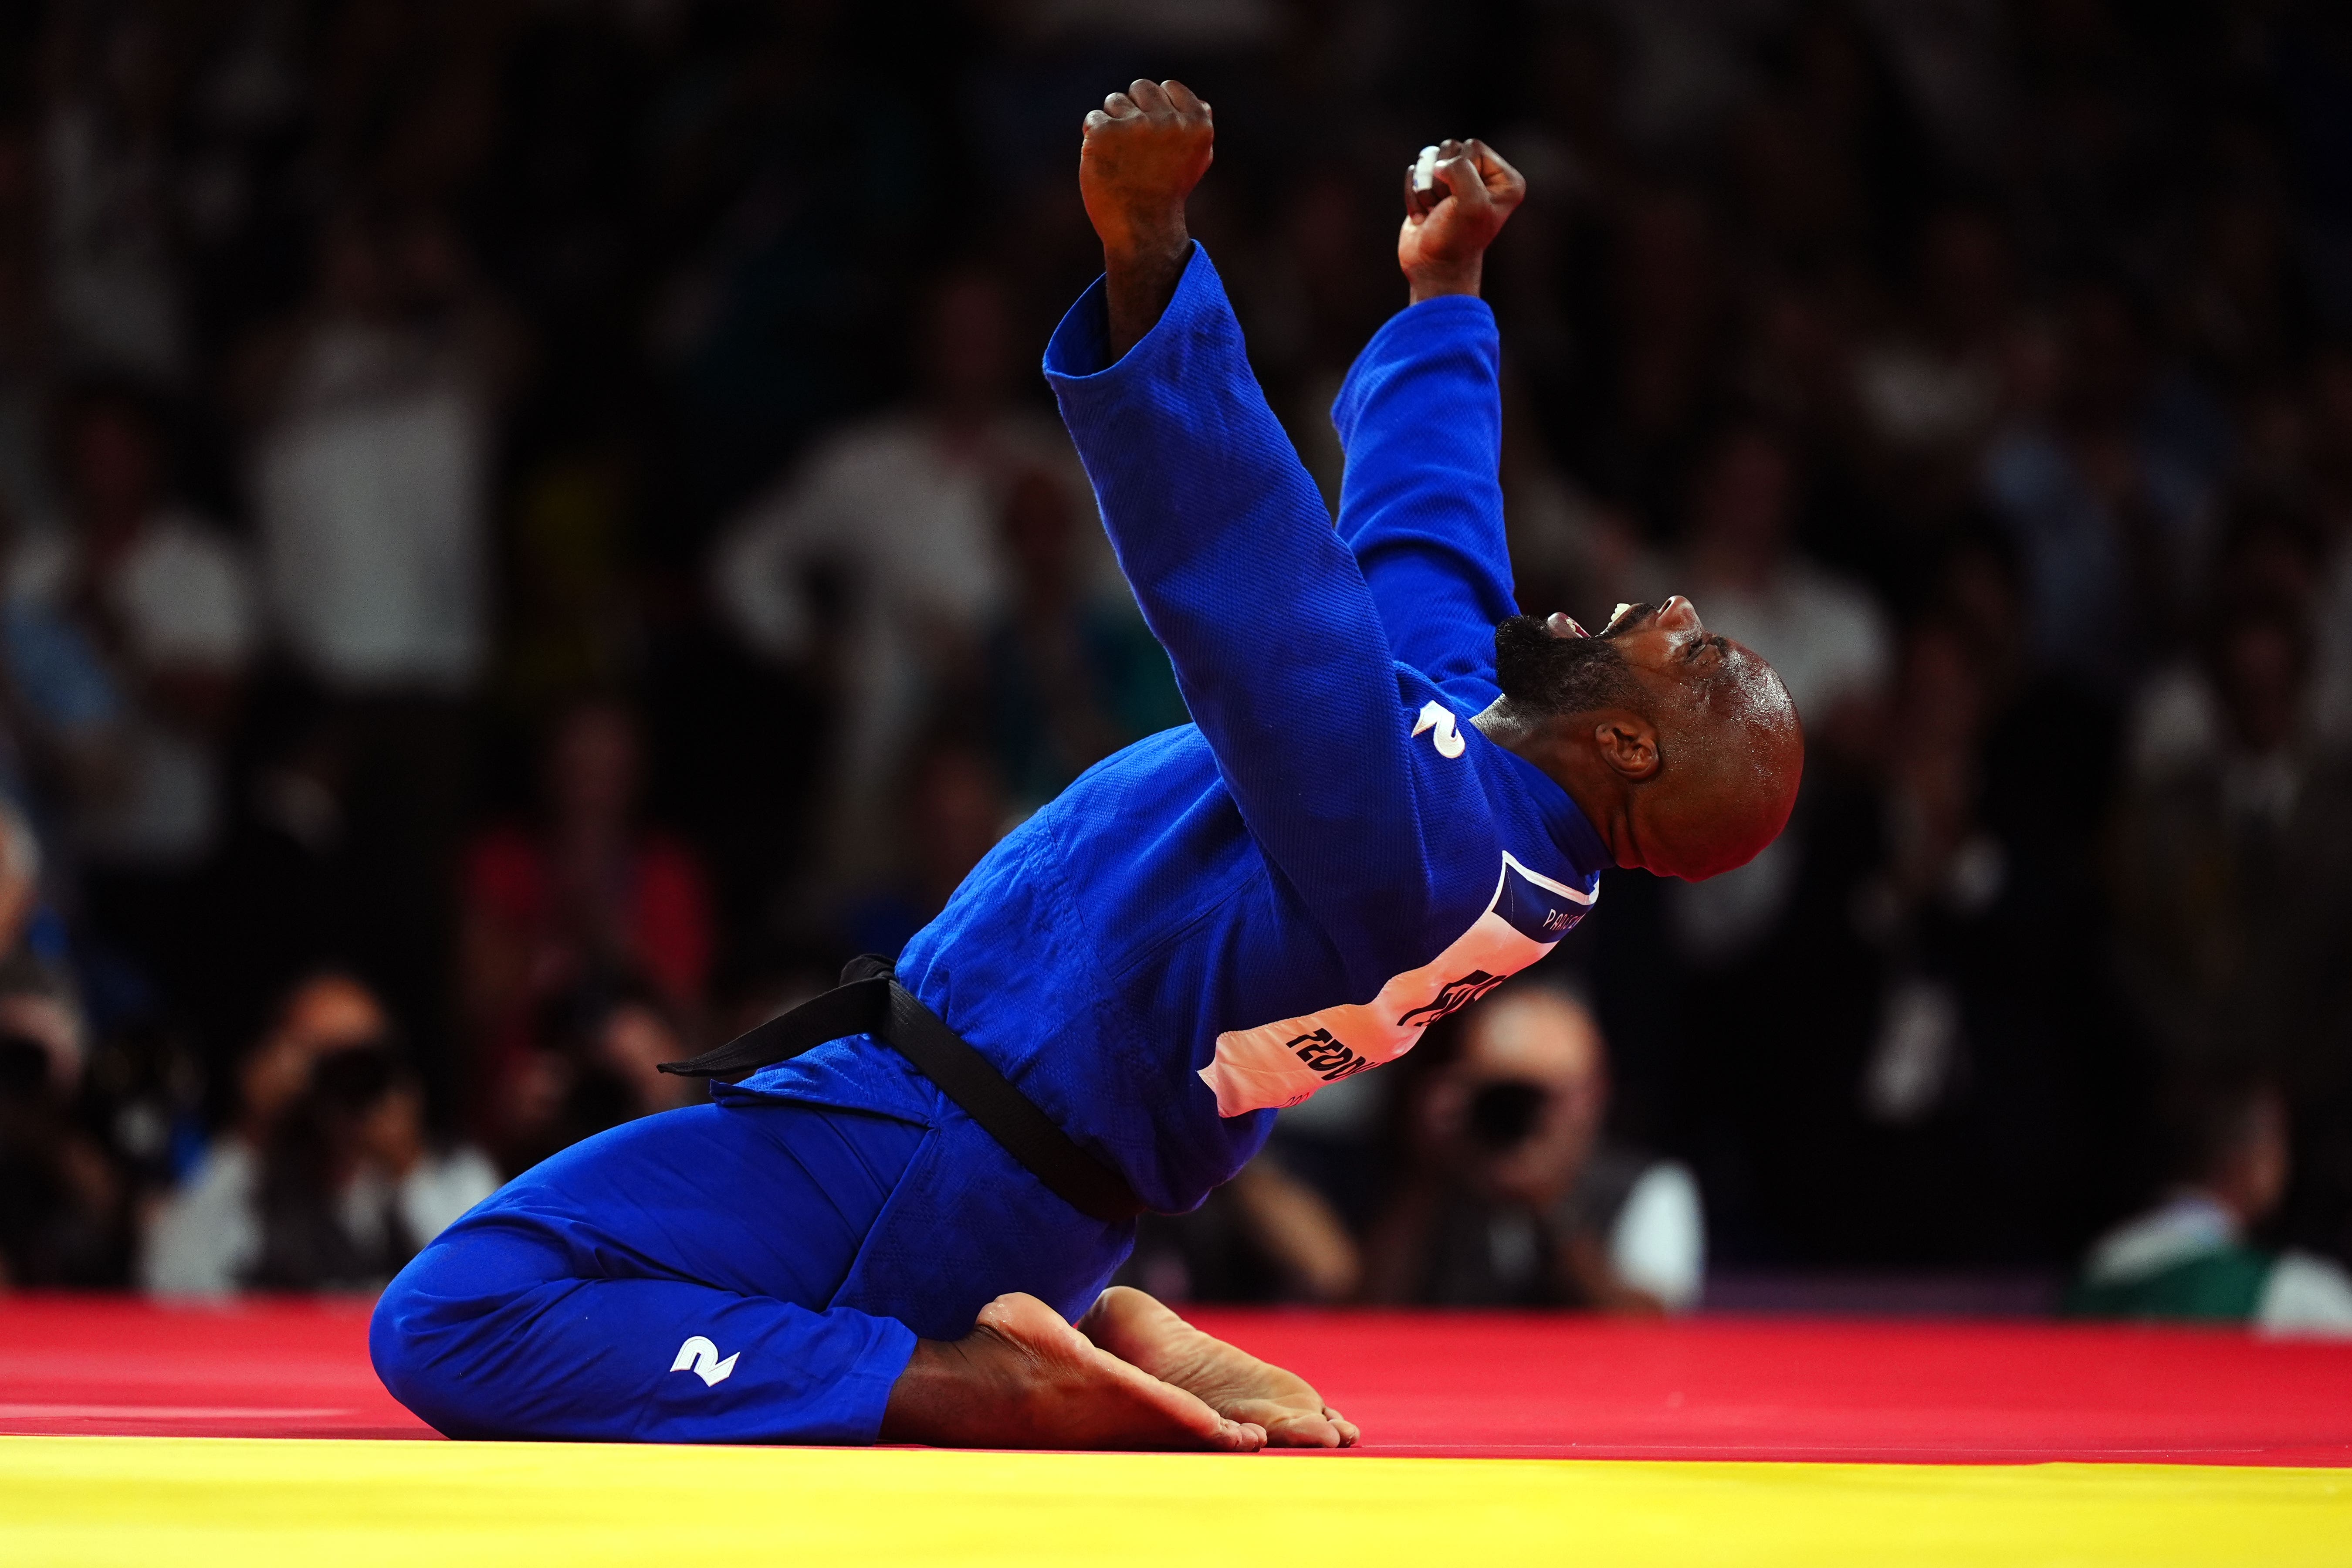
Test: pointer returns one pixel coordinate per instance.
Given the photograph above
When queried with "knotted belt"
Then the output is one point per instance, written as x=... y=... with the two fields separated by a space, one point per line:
x=870 y=1001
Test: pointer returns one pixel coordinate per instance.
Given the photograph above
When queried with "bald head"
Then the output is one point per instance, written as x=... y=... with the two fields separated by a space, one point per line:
x=1682 y=747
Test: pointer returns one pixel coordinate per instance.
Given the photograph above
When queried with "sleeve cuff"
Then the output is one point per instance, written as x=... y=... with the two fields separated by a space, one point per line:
x=1080 y=347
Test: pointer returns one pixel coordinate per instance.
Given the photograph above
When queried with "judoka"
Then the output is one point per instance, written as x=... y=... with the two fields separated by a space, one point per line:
x=896 y=1217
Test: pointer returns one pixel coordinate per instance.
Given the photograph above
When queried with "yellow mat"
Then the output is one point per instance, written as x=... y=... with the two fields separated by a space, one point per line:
x=161 y=1502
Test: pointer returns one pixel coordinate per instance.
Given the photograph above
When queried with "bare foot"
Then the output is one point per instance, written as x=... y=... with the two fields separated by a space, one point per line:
x=1025 y=1379
x=1238 y=1386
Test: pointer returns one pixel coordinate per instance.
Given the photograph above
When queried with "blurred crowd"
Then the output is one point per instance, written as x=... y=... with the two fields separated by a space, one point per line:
x=532 y=533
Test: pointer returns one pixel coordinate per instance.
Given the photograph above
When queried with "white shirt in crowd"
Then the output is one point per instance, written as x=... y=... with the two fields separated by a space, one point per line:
x=909 y=512
x=1659 y=1242
x=183 y=592
x=2303 y=1294
x=181 y=595
x=208 y=1236
x=371 y=489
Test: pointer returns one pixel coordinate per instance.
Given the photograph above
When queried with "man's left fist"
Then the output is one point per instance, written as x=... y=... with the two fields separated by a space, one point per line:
x=1443 y=244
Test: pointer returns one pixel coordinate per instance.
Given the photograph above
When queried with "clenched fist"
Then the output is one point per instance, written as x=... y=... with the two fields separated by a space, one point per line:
x=1145 y=149
x=1443 y=250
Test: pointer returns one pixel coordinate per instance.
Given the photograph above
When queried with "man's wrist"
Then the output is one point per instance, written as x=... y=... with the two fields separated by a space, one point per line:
x=1437 y=282
x=1140 y=241
x=1142 y=270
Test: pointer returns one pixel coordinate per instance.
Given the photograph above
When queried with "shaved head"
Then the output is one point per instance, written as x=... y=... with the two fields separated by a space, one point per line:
x=1682 y=747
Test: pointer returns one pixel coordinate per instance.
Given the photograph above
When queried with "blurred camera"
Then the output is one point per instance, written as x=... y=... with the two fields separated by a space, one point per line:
x=23 y=1069
x=1504 y=1113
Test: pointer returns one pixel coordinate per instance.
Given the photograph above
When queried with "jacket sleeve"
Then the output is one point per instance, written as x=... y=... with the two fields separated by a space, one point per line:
x=1420 y=418
x=1273 y=633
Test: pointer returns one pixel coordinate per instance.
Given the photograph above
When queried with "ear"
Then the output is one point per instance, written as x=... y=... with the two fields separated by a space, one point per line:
x=1629 y=744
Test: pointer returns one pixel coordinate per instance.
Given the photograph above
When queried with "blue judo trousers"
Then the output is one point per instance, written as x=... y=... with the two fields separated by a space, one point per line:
x=1211 y=925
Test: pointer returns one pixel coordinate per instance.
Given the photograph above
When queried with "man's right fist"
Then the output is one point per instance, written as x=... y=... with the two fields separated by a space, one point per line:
x=1145 y=150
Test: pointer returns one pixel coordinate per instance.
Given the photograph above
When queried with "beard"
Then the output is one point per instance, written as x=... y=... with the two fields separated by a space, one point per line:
x=1546 y=674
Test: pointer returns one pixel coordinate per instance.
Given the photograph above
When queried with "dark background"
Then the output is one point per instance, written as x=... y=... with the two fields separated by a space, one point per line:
x=1991 y=362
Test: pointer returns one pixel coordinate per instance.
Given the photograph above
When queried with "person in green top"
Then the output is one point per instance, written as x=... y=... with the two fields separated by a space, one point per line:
x=2190 y=1258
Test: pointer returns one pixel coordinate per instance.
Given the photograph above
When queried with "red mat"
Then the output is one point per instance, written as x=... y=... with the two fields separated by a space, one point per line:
x=1463 y=1384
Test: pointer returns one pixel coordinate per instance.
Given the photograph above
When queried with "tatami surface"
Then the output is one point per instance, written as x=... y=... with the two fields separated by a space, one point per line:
x=259 y=1435
x=196 y=1503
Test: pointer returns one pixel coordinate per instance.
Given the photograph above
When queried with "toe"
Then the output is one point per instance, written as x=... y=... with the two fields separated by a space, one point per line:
x=1297 y=1429
x=1240 y=1437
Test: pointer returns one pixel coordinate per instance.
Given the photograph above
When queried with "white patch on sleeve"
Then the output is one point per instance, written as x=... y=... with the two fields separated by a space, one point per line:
x=1283 y=1063
x=1448 y=740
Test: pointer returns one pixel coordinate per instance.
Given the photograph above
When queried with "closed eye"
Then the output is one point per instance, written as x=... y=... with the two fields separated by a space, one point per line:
x=1719 y=647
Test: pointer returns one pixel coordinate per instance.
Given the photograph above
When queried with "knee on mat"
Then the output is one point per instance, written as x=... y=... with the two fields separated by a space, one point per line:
x=416 y=1344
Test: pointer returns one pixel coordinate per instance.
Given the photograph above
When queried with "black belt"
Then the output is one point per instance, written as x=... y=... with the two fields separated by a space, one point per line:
x=870 y=1001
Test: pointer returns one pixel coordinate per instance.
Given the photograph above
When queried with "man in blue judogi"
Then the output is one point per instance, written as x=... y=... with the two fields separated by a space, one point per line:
x=897 y=1218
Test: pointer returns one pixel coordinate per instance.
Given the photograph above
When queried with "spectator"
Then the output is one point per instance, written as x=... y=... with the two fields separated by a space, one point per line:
x=1740 y=562
x=903 y=506
x=115 y=295
x=1073 y=675
x=589 y=895
x=128 y=638
x=1515 y=1197
x=349 y=1189
x=1824 y=634
x=373 y=411
x=2269 y=560
x=2110 y=497
x=2234 y=870
x=1940 y=868
x=1266 y=1236
x=63 y=1201
x=327 y=1179
x=952 y=810
x=2192 y=1256
x=597 y=1068
x=203 y=1233
x=29 y=925
x=1927 y=390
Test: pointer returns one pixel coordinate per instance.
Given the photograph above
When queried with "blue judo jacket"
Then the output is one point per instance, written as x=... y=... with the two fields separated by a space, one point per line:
x=1222 y=919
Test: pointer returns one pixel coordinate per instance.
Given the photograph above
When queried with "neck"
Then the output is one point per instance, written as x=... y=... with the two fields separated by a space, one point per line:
x=1595 y=787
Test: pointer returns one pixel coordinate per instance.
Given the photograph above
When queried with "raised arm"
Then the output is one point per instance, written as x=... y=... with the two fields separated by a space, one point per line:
x=1420 y=418
x=1220 y=529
